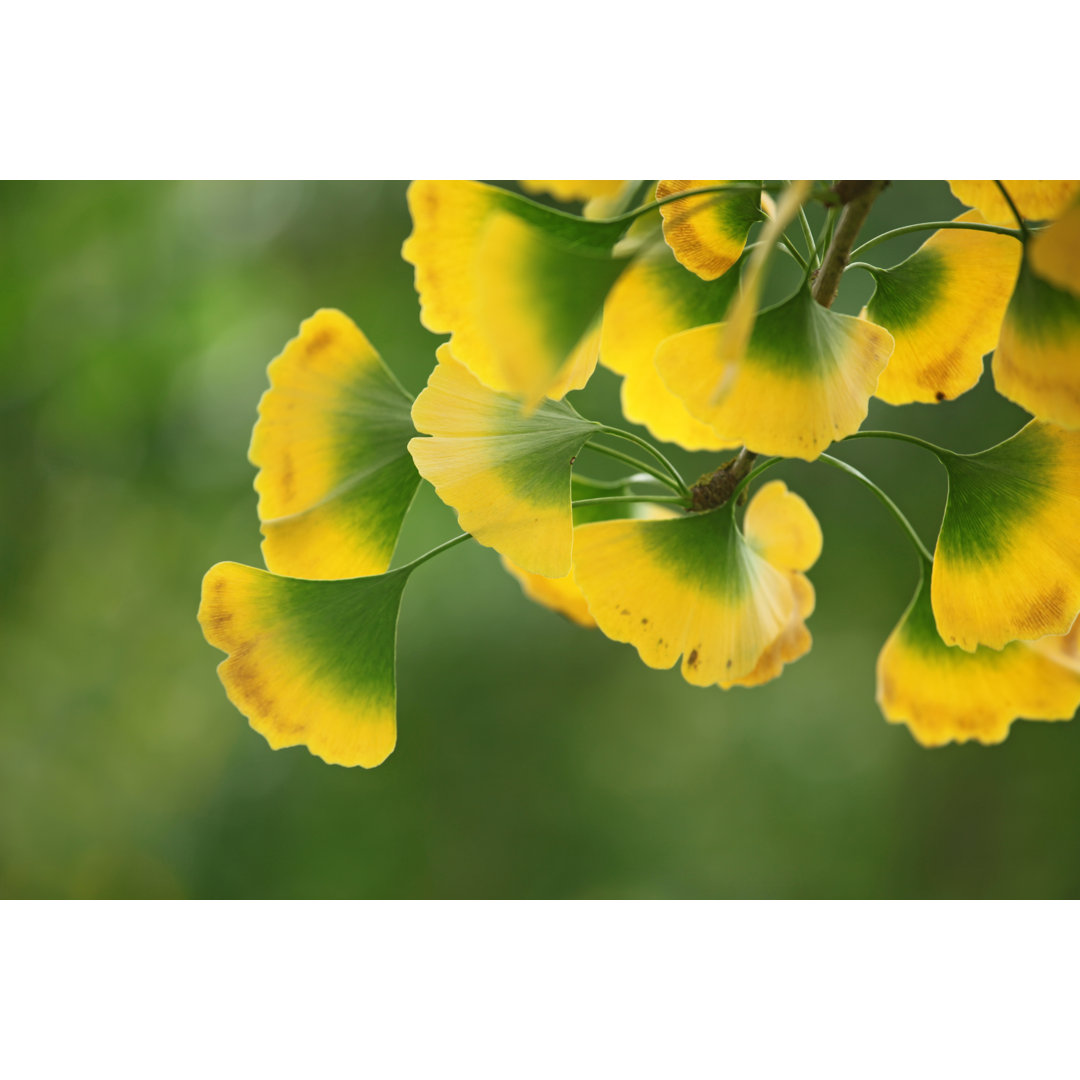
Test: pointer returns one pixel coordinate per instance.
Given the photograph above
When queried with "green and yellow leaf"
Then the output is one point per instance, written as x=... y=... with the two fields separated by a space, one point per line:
x=518 y=286
x=707 y=233
x=507 y=474
x=1037 y=200
x=1007 y=564
x=654 y=298
x=1055 y=252
x=693 y=587
x=805 y=378
x=335 y=477
x=943 y=306
x=945 y=694
x=309 y=663
x=1036 y=362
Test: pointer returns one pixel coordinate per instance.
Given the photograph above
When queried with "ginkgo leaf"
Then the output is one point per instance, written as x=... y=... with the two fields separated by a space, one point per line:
x=1037 y=200
x=310 y=662
x=804 y=380
x=518 y=286
x=1005 y=567
x=654 y=298
x=943 y=306
x=945 y=694
x=335 y=476
x=707 y=233
x=1035 y=364
x=506 y=473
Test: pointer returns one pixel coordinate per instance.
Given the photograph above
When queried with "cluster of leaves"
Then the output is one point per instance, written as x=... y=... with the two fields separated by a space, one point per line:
x=661 y=286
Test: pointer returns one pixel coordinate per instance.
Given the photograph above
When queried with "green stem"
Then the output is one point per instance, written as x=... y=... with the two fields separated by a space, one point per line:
x=895 y=510
x=793 y=251
x=1012 y=206
x=768 y=463
x=940 y=451
x=676 y=500
x=437 y=551
x=869 y=268
x=825 y=238
x=808 y=236
x=648 y=446
x=627 y=459
x=925 y=225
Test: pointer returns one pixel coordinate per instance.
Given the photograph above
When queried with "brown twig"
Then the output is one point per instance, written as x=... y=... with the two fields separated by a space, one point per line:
x=858 y=196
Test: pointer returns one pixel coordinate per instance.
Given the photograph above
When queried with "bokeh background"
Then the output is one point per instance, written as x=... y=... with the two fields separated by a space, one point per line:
x=535 y=759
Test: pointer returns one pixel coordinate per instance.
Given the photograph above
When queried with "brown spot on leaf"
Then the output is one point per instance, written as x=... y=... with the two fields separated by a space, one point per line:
x=319 y=341
x=644 y=622
x=288 y=478
x=1045 y=609
x=940 y=395
x=692 y=659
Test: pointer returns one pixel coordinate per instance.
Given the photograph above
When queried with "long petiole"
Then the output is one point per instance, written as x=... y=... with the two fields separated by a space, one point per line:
x=895 y=510
x=768 y=463
x=1012 y=206
x=437 y=551
x=808 y=235
x=618 y=433
x=825 y=238
x=793 y=251
x=786 y=249
x=627 y=459
x=940 y=451
x=674 y=500
x=924 y=226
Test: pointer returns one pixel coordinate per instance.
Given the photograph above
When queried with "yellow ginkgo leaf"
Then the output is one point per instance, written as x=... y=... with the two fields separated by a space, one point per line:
x=518 y=286
x=1054 y=252
x=782 y=528
x=331 y=443
x=1035 y=364
x=707 y=233
x=1037 y=200
x=943 y=306
x=1007 y=557
x=694 y=587
x=310 y=662
x=507 y=474
x=805 y=378
x=945 y=694
x=654 y=298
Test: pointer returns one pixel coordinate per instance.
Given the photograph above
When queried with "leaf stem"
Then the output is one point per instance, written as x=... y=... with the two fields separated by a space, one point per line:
x=648 y=446
x=900 y=436
x=927 y=225
x=637 y=463
x=808 y=235
x=675 y=500
x=1012 y=206
x=895 y=510
x=768 y=463
x=436 y=551
x=793 y=251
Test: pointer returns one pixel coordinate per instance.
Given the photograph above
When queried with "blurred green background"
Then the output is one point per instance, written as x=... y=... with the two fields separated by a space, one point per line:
x=535 y=759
